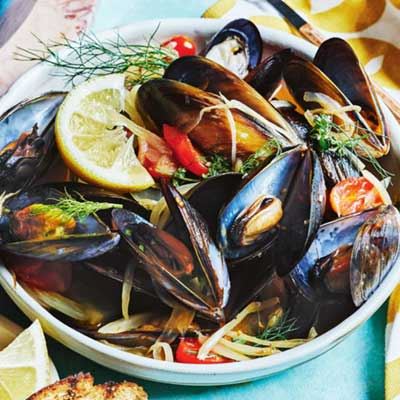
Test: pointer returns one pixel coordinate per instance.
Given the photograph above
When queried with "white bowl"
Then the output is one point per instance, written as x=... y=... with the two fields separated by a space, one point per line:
x=37 y=81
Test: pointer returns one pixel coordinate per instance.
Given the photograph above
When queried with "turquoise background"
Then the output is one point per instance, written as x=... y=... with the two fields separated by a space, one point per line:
x=351 y=371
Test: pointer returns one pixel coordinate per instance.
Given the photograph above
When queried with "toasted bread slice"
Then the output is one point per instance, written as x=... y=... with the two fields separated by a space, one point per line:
x=81 y=387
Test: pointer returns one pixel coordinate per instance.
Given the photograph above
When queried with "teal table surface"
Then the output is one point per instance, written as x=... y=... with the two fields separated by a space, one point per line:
x=353 y=370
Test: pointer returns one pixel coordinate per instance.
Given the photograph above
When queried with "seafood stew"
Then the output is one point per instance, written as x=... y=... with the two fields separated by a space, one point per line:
x=196 y=273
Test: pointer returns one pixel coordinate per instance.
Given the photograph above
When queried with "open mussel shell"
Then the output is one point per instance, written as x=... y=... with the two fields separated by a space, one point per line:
x=237 y=46
x=345 y=264
x=267 y=77
x=302 y=76
x=27 y=140
x=209 y=196
x=190 y=268
x=330 y=237
x=376 y=248
x=51 y=236
x=337 y=60
x=164 y=101
x=283 y=203
x=211 y=77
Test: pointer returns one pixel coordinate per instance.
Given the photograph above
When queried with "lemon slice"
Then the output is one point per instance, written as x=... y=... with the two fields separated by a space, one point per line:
x=24 y=365
x=91 y=137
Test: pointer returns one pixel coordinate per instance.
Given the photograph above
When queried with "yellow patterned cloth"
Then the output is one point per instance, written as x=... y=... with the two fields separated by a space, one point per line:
x=372 y=27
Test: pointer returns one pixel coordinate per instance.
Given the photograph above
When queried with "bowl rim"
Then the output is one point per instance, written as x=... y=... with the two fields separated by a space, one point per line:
x=289 y=357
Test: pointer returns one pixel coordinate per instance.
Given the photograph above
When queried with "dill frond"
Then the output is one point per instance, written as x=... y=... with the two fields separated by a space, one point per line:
x=327 y=136
x=281 y=330
x=88 y=56
x=73 y=208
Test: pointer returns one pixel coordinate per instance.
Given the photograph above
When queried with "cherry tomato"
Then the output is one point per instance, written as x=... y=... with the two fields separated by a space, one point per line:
x=183 y=45
x=354 y=195
x=187 y=353
x=184 y=151
x=156 y=156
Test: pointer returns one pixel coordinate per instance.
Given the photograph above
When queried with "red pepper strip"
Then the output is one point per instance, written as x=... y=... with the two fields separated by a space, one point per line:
x=183 y=45
x=184 y=151
x=187 y=353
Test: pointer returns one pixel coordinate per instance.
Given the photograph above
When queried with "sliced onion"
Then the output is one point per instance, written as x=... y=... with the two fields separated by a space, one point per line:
x=178 y=323
x=279 y=344
x=125 y=325
x=147 y=198
x=224 y=351
x=66 y=306
x=252 y=351
x=162 y=351
x=251 y=308
x=127 y=286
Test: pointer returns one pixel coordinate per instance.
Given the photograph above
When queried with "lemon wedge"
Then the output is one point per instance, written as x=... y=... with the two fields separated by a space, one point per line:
x=92 y=139
x=24 y=365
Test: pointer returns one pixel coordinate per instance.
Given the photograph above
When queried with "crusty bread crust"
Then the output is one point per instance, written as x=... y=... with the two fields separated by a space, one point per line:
x=81 y=387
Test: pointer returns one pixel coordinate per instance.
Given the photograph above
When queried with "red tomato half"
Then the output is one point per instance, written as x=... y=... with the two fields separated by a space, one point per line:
x=184 y=151
x=183 y=45
x=354 y=195
x=187 y=353
x=156 y=156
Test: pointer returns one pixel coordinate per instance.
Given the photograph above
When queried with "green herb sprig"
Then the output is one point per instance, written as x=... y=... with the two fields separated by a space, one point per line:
x=183 y=176
x=270 y=148
x=89 y=56
x=72 y=208
x=217 y=165
x=331 y=137
x=281 y=330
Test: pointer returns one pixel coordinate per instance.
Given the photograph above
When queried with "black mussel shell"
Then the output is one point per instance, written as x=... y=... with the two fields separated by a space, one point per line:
x=302 y=76
x=178 y=266
x=211 y=77
x=88 y=237
x=267 y=77
x=27 y=144
x=237 y=46
x=295 y=179
x=164 y=101
x=375 y=250
x=338 y=61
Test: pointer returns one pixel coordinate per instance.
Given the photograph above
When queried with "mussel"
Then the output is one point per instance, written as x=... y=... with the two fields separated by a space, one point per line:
x=27 y=141
x=334 y=57
x=190 y=268
x=276 y=212
x=267 y=77
x=334 y=87
x=345 y=264
x=237 y=46
x=209 y=76
x=41 y=223
x=205 y=118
